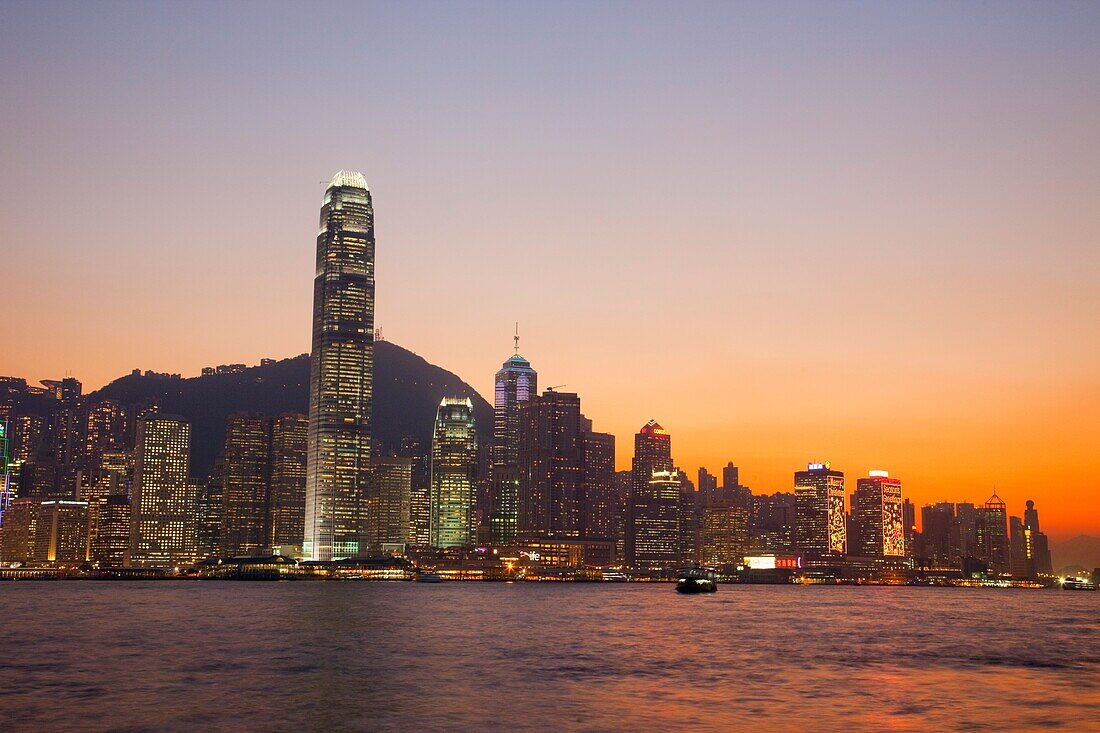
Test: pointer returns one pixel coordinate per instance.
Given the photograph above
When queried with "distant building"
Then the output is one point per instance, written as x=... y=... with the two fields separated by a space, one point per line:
x=341 y=372
x=389 y=502
x=877 y=510
x=454 y=472
x=515 y=384
x=289 y=440
x=111 y=544
x=61 y=532
x=820 y=523
x=772 y=523
x=551 y=459
x=17 y=538
x=163 y=519
x=992 y=531
x=646 y=506
x=598 y=505
x=107 y=430
x=724 y=532
x=247 y=470
x=657 y=522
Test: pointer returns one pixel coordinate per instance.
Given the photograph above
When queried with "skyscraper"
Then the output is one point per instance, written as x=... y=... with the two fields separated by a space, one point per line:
x=876 y=506
x=163 y=519
x=454 y=469
x=341 y=372
x=551 y=459
x=244 y=518
x=289 y=437
x=389 y=502
x=992 y=530
x=516 y=383
x=657 y=522
x=819 y=492
x=646 y=504
x=598 y=504
x=106 y=429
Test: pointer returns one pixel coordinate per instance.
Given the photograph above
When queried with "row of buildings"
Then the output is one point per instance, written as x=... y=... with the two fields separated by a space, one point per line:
x=312 y=486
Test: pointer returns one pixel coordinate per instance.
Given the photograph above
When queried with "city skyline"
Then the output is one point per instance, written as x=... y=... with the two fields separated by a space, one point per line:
x=926 y=317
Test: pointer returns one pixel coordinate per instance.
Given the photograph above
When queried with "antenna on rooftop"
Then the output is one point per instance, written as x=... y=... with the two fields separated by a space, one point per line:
x=517 y=338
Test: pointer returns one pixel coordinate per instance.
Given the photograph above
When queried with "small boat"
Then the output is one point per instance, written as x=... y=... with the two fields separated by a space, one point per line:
x=428 y=576
x=1075 y=583
x=696 y=580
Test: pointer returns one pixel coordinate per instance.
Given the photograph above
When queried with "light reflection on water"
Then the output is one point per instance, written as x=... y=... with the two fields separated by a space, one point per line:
x=480 y=656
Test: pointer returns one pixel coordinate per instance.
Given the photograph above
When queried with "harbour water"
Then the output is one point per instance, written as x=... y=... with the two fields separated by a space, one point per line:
x=225 y=656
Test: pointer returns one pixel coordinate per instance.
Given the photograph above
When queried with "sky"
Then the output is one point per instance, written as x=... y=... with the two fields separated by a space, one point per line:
x=866 y=233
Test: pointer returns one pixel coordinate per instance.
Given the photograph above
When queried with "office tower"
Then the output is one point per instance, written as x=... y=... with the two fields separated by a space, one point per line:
x=163 y=508
x=19 y=530
x=620 y=515
x=516 y=383
x=66 y=421
x=551 y=461
x=208 y=531
x=724 y=533
x=877 y=511
x=657 y=522
x=111 y=545
x=1032 y=543
x=454 y=465
x=341 y=371
x=61 y=532
x=964 y=535
x=247 y=466
x=106 y=429
x=690 y=518
x=5 y=467
x=29 y=434
x=909 y=520
x=938 y=527
x=652 y=453
x=820 y=524
x=420 y=523
x=389 y=502
x=598 y=505
x=289 y=438
x=708 y=485
x=992 y=534
x=111 y=476
x=772 y=523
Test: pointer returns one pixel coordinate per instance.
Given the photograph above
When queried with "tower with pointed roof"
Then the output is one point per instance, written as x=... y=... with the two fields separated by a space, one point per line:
x=516 y=383
x=341 y=382
x=645 y=506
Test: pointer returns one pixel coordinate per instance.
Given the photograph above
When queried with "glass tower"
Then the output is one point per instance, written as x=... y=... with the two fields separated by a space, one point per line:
x=820 y=523
x=454 y=465
x=516 y=384
x=341 y=372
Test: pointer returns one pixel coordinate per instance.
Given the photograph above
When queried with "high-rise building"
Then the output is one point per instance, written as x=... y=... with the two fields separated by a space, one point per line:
x=646 y=509
x=708 y=485
x=289 y=438
x=247 y=468
x=1029 y=550
x=454 y=469
x=389 y=502
x=163 y=511
x=111 y=545
x=61 y=532
x=551 y=461
x=598 y=504
x=516 y=383
x=724 y=533
x=877 y=510
x=106 y=429
x=657 y=522
x=820 y=524
x=341 y=372
x=992 y=531
x=772 y=523
x=19 y=531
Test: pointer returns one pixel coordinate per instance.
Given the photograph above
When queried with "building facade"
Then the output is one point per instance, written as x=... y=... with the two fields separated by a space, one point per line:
x=289 y=441
x=820 y=523
x=163 y=510
x=515 y=384
x=341 y=372
x=645 y=509
x=877 y=510
x=454 y=474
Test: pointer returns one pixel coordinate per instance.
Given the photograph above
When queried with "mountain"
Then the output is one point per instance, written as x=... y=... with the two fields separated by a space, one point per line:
x=1082 y=551
x=407 y=391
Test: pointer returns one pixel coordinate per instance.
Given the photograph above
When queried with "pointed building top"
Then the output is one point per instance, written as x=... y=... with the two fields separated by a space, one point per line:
x=351 y=179
x=653 y=428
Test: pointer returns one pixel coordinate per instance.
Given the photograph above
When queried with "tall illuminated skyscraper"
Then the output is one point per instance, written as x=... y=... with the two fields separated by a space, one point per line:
x=163 y=518
x=454 y=469
x=341 y=372
x=551 y=459
x=820 y=523
x=877 y=508
x=516 y=383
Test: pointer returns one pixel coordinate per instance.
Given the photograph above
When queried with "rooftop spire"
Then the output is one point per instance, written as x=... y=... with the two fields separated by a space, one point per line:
x=517 y=338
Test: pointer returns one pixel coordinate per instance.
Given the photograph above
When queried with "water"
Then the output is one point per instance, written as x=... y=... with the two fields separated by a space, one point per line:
x=306 y=656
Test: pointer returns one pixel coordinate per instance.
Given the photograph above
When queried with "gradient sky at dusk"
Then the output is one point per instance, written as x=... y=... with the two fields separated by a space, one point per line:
x=864 y=233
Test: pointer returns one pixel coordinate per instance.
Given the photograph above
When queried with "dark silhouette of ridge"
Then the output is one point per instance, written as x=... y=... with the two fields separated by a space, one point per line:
x=407 y=391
